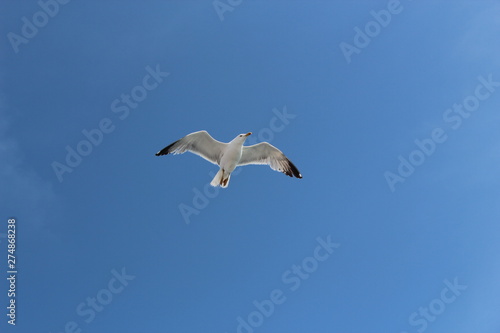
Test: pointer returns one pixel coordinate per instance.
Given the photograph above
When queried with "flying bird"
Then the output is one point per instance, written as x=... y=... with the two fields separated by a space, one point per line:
x=231 y=155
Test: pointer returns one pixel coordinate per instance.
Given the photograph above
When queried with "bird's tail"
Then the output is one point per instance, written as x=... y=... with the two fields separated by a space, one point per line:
x=221 y=178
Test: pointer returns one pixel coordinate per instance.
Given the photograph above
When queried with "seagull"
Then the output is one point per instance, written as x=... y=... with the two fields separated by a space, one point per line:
x=231 y=155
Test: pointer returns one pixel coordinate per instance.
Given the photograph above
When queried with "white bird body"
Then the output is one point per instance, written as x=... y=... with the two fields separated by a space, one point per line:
x=231 y=155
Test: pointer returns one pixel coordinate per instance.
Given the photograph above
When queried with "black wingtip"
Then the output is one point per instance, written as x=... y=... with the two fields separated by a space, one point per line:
x=166 y=150
x=162 y=152
x=293 y=171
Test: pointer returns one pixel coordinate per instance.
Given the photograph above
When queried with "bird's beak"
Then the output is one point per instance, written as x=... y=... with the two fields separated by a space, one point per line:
x=249 y=133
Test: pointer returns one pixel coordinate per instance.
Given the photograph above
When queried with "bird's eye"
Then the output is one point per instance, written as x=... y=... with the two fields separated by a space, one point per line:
x=241 y=135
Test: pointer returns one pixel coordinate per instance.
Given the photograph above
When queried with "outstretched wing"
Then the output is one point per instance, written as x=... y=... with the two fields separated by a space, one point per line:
x=265 y=153
x=199 y=143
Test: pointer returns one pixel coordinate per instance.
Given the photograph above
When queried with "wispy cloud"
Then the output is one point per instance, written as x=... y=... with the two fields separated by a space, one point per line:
x=23 y=193
x=480 y=41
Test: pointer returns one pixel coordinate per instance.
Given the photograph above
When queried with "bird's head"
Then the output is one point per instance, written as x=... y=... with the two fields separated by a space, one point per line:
x=243 y=137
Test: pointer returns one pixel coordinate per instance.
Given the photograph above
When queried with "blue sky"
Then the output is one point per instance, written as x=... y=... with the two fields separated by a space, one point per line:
x=394 y=227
